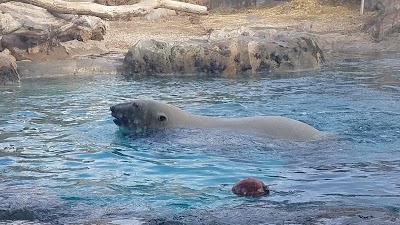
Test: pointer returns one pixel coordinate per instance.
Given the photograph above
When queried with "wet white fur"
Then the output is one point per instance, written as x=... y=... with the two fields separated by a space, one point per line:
x=270 y=126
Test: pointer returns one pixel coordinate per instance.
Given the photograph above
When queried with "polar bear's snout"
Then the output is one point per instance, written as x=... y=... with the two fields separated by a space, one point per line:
x=116 y=112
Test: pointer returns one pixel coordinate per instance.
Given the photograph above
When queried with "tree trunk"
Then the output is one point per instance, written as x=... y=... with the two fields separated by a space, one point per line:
x=112 y=12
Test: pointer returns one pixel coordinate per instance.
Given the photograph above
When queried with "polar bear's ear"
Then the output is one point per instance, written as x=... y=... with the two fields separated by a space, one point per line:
x=162 y=118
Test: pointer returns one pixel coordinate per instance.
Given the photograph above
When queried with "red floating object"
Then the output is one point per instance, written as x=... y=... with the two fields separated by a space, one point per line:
x=250 y=187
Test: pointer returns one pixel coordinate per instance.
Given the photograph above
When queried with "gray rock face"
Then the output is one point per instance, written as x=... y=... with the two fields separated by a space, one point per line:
x=371 y=5
x=8 y=70
x=383 y=26
x=229 y=52
x=382 y=5
x=35 y=34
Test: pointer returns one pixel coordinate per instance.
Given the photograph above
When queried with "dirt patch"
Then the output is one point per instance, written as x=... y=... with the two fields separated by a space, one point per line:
x=307 y=15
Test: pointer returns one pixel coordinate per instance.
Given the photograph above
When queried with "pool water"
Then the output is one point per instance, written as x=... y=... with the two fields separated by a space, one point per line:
x=63 y=159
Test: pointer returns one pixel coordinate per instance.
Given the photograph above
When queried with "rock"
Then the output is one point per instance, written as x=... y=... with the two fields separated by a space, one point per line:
x=159 y=13
x=72 y=67
x=116 y=2
x=8 y=70
x=240 y=51
x=250 y=187
x=46 y=52
x=85 y=28
x=36 y=34
x=383 y=26
x=238 y=4
x=8 y=24
x=371 y=5
x=107 y=63
x=382 y=5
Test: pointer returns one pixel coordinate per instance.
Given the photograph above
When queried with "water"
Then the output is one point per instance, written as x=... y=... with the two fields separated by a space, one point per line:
x=62 y=158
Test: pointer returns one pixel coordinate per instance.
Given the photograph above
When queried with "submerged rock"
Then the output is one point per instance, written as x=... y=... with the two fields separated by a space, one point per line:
x=8 y=70
x=311 y=213
x=227 y=52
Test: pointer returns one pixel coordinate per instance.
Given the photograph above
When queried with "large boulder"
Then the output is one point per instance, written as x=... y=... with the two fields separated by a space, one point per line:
x=38 y=24
x=8 y=70
x=34 y=33
x=382 y=5
x=228 y=52
x=372 y=5
x=382 y=26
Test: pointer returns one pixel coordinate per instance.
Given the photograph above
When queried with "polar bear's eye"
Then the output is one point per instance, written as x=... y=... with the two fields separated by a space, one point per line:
x=162 y=118
x=135 y=105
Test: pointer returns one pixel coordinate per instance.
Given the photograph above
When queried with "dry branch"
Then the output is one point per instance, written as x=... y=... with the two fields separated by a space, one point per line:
x=112 y=12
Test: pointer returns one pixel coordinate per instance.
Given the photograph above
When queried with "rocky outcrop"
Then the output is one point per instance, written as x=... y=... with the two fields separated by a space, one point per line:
x=34 y=33
x=226 y=53
x=8 y=70
x=382 y=5
x=382 y=26
x=101 y=64
x=23 y=50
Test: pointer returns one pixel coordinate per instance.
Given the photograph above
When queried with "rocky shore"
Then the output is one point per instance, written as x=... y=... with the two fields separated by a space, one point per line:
x=290 y=36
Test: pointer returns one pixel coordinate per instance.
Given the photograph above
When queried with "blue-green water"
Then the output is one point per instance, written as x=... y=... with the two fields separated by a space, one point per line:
x=62 y=158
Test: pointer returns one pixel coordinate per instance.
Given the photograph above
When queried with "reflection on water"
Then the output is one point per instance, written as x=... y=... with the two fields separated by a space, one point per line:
x=61 y=154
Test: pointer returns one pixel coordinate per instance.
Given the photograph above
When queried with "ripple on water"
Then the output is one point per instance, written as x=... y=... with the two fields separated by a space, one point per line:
x=57 y=139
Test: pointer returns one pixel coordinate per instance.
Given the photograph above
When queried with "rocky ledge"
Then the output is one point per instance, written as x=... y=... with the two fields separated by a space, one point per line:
x=8 y=69
x=226 y=53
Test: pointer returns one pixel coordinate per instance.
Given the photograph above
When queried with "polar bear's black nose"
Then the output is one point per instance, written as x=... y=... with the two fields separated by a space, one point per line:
x=116 y=115
x=114 y=111
x=116 y=108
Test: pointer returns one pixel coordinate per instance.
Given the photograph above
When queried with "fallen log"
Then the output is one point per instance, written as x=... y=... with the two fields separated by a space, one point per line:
x=112 y=12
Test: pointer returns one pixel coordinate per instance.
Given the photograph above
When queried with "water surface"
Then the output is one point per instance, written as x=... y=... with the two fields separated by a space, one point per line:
x=62 y=158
